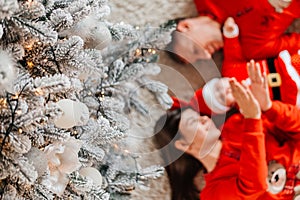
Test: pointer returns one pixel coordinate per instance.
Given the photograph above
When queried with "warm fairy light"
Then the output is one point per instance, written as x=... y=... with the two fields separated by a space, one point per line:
x=101 y=98
x=16 y=96
x=116 y=146
x=3 y=103
x=149 y=50
x=30 y=64
x=29 y=3
x=29 y=44
x=153 y=51
x=138 y=52
x=19 y=112
x=39 y=91
x=20 y=130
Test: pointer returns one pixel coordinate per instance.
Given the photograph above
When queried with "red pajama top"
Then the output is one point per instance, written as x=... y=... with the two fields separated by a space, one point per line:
x=287 y=65
x=261 y=28
x=248 y=145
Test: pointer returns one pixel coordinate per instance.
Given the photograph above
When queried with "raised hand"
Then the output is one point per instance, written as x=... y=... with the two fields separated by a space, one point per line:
x=259 y=85
x=247 y=103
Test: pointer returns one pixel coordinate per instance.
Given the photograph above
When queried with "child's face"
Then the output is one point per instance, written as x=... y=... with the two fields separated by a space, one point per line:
x=224 y=93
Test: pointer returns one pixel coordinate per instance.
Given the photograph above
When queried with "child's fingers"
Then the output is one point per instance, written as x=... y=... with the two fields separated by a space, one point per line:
x=265 y=79
x=238 y=91
x=254 y=72
x=250 y=69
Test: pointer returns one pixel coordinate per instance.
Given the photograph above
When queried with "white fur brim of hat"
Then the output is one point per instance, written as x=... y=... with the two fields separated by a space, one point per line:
x=209 y=96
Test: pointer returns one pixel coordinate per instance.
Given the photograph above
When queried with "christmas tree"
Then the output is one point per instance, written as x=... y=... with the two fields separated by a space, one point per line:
x=69 y=78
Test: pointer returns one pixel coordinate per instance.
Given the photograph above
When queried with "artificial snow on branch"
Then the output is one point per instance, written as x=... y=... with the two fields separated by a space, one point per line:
x=69 y=80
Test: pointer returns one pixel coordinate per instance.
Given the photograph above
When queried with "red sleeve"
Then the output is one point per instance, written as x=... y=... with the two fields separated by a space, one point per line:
x=244 y=178
x=232 y=49
x=253 y=167
x=210 y=8
x=234 y=64
x=272 y=48
x=285 y=116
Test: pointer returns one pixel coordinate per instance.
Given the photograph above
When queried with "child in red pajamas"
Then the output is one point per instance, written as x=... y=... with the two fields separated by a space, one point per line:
x=259 y=157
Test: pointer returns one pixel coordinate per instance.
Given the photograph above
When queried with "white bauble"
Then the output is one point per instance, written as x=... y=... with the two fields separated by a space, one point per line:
x=95 y=33
x=38 y=159
x=100 y=37
x=92 y=174
x=7 y=71
x=74 y=114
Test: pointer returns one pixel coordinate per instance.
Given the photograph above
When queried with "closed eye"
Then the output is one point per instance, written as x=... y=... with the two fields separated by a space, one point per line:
x=191 y=121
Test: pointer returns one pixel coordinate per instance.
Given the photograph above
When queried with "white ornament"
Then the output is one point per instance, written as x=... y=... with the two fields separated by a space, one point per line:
x=7 y=71
x=62 y=159
x=95 y=33
x=92 y=174
x=38 y=159
x=100 y=37
x=74 y=114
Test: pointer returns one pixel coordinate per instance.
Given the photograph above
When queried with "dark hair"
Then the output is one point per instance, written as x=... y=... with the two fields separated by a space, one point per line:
x=181 y=167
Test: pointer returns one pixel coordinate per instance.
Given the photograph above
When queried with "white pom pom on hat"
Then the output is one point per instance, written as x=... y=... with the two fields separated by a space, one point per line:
x=209 y=96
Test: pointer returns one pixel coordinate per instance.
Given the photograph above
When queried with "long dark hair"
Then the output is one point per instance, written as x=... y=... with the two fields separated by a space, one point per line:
x=181 y=167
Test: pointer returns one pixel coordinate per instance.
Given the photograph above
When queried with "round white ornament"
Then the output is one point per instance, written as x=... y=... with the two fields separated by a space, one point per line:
x=7 y=71
x=74 y=114
x=92 y=174
x=38 y=159
x=100 y=37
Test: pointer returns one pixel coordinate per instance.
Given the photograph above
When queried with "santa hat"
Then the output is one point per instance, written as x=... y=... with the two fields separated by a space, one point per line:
x=209 y=97
x=203 y=101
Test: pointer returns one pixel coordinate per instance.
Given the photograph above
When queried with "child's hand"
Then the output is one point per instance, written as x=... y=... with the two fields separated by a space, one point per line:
x=280 y=5
x=259 y=85
x=247 y=103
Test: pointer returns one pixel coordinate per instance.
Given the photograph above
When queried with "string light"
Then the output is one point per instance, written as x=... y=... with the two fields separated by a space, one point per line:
x=3 y=103
x=16 y=96
x=38 y=91
x=138 y=52
x=30 y=64
x=19 y=112
x=20 y=130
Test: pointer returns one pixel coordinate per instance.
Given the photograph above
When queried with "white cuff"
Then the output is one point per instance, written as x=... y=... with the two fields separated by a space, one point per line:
x=231 y=34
